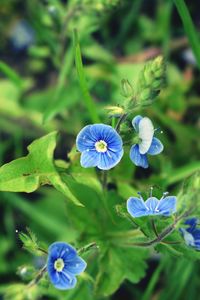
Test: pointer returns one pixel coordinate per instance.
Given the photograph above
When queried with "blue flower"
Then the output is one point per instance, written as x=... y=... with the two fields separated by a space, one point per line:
x=100 y=146
x=63 y=264
x=138 y=208
x=146 y=142
x=191 y=234
x=22 y=35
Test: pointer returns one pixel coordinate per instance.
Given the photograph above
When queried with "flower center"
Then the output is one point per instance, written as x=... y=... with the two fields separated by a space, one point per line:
x=101 y=146
x=59 y=265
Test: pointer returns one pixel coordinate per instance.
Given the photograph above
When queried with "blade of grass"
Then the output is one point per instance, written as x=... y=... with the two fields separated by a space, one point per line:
x=82 y=80
x=11 y=74
x=56 y=102
x=153 y=281
x=189 y=28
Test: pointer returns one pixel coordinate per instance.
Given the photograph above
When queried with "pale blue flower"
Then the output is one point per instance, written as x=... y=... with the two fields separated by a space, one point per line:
x=146 y=143
x=100 y=146
x=137 y=207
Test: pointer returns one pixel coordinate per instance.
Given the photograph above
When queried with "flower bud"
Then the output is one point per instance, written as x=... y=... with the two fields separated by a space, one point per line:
x=115 y=111
x=150 y=82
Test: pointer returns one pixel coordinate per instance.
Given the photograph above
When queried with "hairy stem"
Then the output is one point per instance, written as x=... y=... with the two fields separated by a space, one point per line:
x=87 y=248
x=120 y=121
x=38 y=277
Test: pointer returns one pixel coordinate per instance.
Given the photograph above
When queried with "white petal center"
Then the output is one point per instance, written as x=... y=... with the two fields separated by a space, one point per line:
x=59 y=265
x=101 y=146
x=146 y=132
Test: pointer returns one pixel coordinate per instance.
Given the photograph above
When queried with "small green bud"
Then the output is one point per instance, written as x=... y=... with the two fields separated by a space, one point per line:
x=127 y=89
x=115 y=111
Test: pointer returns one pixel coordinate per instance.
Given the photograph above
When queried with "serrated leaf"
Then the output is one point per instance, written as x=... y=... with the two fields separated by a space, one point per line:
x=118 y=264
x=28 y=173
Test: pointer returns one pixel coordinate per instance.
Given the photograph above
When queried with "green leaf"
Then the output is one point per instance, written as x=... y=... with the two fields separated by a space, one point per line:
x=118 y=264
x=83 y=83
x=28 y=173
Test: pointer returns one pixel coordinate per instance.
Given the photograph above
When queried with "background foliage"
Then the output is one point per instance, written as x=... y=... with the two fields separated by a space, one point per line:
x=55 y=81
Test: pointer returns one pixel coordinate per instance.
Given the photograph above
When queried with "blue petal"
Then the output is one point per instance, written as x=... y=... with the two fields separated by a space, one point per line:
x=138 y=159
x=152 y=204
x=136 y=121
x=85 y=140
x=90 y=158
x=76 y=266
x=108 y=134
x=65 y=282
x=109 y=159
x=196 y=234
x=192 y=222
x=197 y=246
x=60 y=249
x=136 y=207
x=167 y=206
x=156 y=147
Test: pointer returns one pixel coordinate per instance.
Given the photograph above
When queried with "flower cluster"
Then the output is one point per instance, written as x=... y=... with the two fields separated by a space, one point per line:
x=63 y=265
x=101 y=146
x=191 y=233
x=137 y=207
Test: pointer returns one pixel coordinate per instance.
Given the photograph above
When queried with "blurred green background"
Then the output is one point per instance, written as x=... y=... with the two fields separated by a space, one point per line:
x=40 y=92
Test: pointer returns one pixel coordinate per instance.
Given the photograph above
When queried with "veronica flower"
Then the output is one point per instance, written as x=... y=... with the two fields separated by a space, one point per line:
x=100 y=146
x=63 y=265
x=137 y=207
x=22 y=35
x=146 y=143
x=191 y=234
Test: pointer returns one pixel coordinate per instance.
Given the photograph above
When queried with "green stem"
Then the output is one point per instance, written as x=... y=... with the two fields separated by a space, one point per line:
x=87 y=248
x=38 y=277
x=104 y=179
x=154 y=227
x=120 y=121
x=42 y=250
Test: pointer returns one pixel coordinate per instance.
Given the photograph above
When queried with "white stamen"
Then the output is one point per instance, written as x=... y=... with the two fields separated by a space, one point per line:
x=101 y=146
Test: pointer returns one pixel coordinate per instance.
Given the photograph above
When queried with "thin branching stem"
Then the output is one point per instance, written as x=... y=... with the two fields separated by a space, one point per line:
x=161 y=236
x=38 y=277
x=87 y=248
x=120 y=121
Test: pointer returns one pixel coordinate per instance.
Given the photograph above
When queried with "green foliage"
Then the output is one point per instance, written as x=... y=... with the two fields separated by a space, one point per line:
x=119 y=264
x=28 y=173
x=43 y=90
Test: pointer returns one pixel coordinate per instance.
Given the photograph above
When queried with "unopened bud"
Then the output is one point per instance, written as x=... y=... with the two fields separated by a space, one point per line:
x=115 y=110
